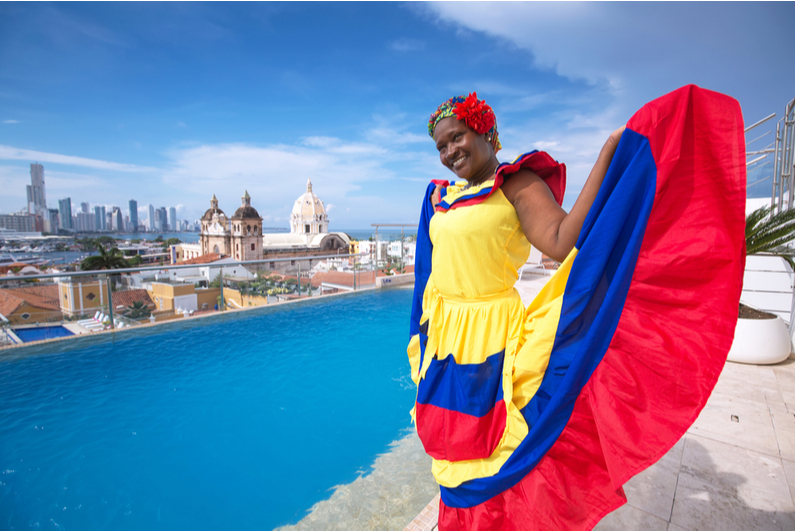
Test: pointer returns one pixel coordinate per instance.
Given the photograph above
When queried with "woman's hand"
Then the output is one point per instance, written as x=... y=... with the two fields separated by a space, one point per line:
x=437 y=195
x=547 y=226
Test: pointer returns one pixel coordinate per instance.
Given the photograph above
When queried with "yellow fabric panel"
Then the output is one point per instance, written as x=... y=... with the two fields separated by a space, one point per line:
x=413 y=351
x=477 y=249
x=538 y=336
x=473 y=331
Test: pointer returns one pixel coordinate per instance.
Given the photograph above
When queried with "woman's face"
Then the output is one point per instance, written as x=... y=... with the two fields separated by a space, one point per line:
x=462 y=150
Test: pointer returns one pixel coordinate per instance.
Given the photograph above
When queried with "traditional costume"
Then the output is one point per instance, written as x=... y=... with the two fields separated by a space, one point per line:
x=535 y=417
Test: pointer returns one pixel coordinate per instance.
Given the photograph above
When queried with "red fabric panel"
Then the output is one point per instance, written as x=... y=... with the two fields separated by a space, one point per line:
x=547 y=498
x=681 y=310
x=454 y=436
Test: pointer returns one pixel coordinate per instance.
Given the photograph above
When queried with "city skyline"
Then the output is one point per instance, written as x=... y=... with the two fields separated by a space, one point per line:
x=172 y=103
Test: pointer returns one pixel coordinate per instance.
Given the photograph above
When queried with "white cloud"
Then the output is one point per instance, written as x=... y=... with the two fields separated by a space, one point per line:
x=275 y=175
x=639 y=51
x=329 y=207
x=12 y=153
x=407 y=45
x=615 y=57
x=544 y=145
x=12 y=182
x=181 y=124
x=10 y=121
x=396 y=137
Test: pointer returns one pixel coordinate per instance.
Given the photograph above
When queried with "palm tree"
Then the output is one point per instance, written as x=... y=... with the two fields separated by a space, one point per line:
x=770 y=233
x=112 y=259
x=137 y=310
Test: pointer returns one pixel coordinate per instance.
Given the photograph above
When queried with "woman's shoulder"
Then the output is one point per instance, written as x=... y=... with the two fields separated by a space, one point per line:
x=529 y=171
x=514 y=183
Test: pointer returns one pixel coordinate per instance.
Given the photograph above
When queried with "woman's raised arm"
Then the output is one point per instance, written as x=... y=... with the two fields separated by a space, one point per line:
x=545 y=224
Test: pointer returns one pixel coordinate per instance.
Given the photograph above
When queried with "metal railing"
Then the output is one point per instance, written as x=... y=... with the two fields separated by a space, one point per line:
x=375 y=253
x=101 y=282
x=783 y=190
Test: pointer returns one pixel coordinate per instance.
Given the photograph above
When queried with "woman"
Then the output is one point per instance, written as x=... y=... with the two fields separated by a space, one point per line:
x=536 y=416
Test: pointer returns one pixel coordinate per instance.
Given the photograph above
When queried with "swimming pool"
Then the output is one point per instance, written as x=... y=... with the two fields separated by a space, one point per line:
x=237 y=422
x=41 y=332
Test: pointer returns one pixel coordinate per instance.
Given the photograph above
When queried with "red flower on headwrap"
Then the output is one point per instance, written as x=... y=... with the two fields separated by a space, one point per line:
x=476 y=114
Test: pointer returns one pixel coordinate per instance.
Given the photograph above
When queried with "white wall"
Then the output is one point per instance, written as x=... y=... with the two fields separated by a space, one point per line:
x=186 y=302
x=768 y=285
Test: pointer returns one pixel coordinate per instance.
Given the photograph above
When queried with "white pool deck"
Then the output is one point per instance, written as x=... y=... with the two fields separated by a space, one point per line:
x=733 y=470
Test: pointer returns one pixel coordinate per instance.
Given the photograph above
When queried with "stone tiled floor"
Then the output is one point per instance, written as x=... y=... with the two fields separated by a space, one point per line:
x=735 y=467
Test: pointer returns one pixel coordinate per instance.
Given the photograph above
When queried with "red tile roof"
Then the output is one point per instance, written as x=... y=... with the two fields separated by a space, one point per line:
x=128 y=298
x=8 y=302
x=44 y=297
x=203 y=259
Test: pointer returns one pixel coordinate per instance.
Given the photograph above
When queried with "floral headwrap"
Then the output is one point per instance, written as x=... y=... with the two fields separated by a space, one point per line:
x=477 y=114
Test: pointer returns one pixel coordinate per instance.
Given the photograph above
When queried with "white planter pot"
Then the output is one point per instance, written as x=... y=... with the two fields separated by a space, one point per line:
x=760 y=341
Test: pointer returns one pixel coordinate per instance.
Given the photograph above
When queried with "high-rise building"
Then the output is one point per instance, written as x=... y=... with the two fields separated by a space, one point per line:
x=37 y=199
x=172 y=219
x=152 y=219
x=108 y=220
x=65 y=213
x=84 y=222
x=19 y=222
x=118 y=220
x=133 y=215
x=105 y=224
x=161 y=219
x=98 y=218
x=54 y=218
x=85 y=208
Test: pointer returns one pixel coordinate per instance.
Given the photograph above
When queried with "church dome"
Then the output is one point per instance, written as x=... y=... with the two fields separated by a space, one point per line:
x=246 y=211
x=309 y=213
x=309 y=204
x=208 y=216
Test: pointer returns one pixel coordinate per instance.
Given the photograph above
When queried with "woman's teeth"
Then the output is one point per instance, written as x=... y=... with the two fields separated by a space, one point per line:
x=458 y=161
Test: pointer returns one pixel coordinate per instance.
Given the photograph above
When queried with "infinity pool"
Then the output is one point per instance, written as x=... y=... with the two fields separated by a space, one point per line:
x=242 y=421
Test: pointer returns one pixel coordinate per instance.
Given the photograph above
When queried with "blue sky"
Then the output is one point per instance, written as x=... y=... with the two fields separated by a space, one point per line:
x=171 y=103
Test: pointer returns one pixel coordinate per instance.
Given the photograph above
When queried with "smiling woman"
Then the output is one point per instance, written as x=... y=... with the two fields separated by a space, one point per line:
x=535 y=417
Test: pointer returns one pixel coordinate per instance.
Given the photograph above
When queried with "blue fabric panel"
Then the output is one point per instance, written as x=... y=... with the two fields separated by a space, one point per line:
x=595 y=292
x=422 y=260
x=469 y=388
x=446 y=205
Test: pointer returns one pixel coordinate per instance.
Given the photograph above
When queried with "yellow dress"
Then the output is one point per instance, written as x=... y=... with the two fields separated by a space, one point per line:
x=473 y=312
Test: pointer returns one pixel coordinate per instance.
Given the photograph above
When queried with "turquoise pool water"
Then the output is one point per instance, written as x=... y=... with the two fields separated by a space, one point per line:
x=237 y=422
x=41 y=332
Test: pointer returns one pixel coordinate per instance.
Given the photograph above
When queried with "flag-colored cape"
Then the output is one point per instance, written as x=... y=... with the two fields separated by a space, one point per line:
x=650 y=297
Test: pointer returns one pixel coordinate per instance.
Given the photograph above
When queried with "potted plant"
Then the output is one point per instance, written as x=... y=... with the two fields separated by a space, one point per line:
x=762 y=338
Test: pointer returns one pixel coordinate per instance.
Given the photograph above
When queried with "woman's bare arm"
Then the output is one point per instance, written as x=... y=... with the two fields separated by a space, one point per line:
x=546 y=225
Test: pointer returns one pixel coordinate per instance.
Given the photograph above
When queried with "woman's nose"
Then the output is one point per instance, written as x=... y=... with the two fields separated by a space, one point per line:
x=451 y=153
